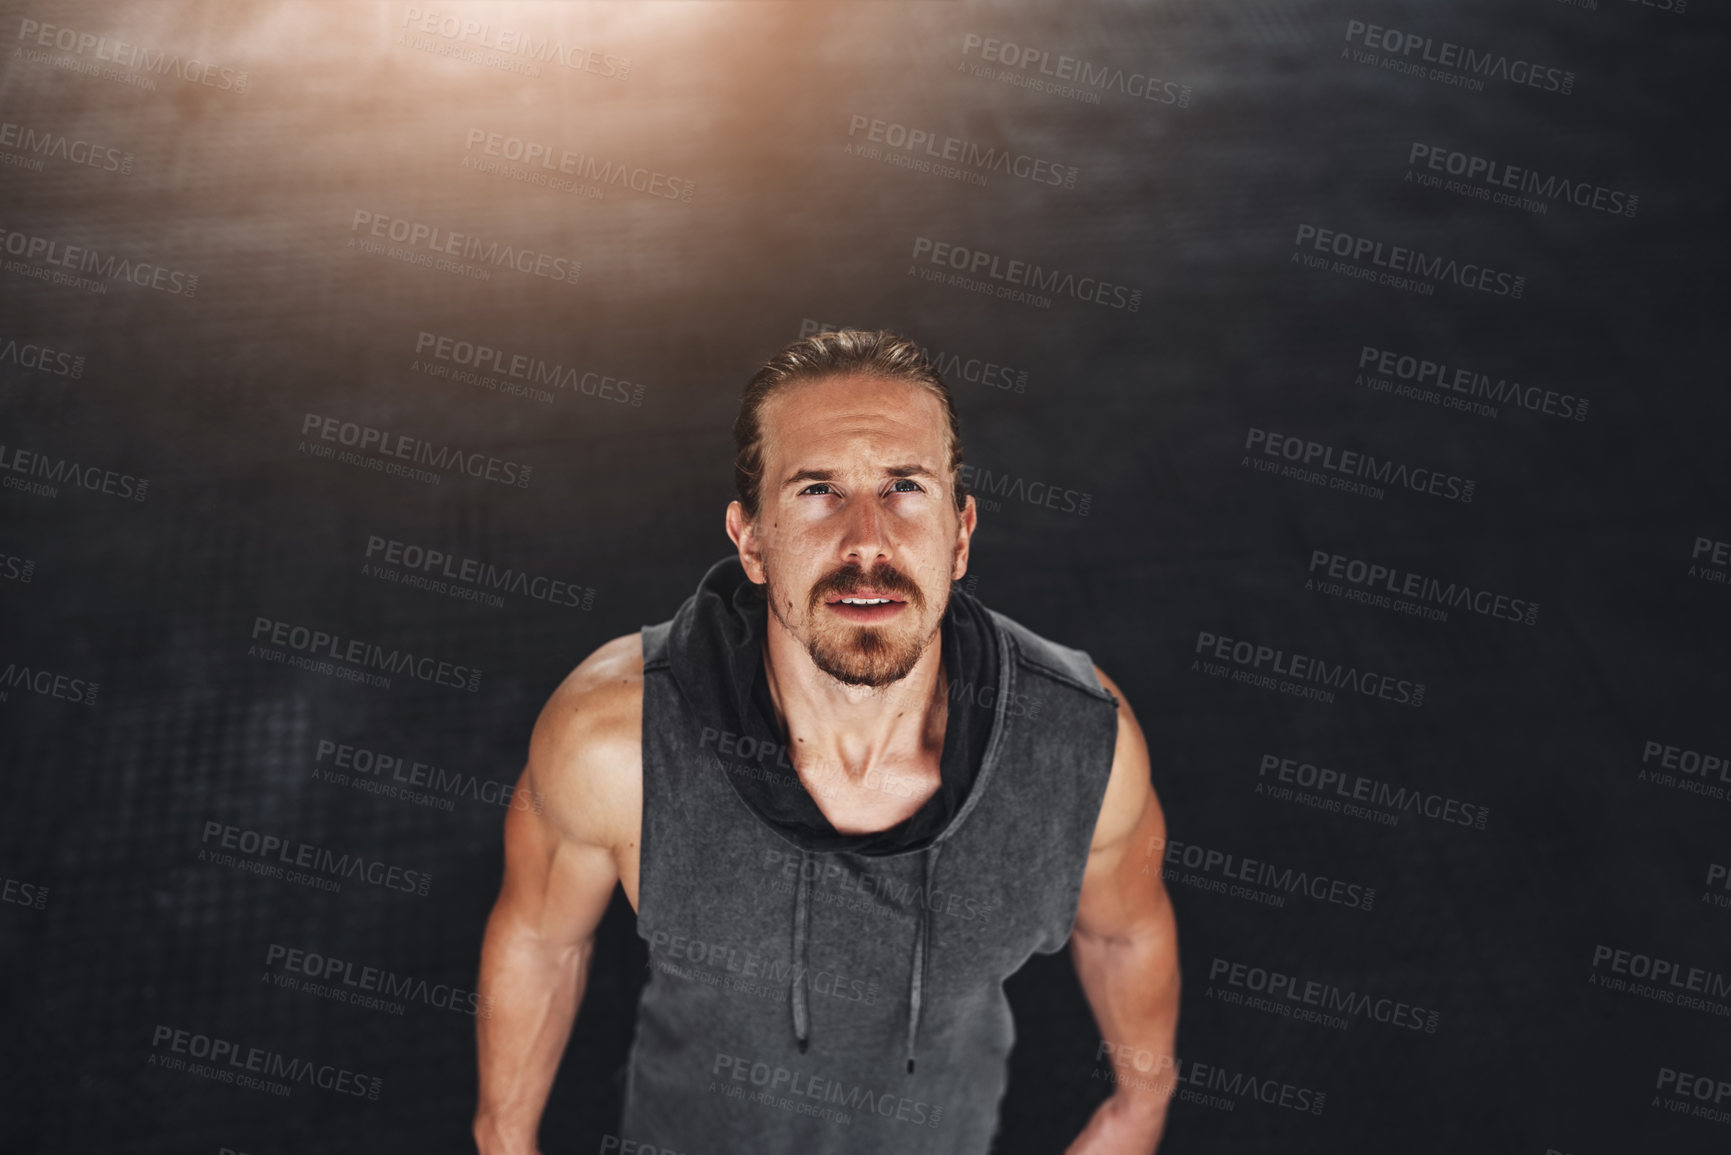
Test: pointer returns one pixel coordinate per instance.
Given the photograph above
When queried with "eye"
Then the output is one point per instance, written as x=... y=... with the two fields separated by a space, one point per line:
x=815 y=485
x=916 y=486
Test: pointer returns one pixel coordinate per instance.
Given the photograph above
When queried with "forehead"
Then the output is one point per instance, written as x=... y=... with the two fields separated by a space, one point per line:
x=853 y=414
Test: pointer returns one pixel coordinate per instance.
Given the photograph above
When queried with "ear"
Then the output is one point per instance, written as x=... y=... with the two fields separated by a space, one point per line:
x=964 y=536
x=743 y=533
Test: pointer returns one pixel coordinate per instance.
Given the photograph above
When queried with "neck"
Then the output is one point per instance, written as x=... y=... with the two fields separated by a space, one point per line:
x=855 y=730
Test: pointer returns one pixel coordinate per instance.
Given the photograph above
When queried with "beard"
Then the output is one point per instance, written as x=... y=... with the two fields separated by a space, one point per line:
x=873 y=656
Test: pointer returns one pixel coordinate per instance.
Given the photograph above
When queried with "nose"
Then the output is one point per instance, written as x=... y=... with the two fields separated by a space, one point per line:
x=863 y=539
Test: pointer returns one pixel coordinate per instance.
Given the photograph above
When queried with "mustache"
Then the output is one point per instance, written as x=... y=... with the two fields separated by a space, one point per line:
x=885 y=578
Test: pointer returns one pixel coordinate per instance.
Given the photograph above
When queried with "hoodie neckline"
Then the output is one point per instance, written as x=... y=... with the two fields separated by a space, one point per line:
x=725 y=623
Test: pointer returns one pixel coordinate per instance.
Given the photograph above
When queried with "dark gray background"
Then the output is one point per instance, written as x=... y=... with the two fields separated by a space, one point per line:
x=105 y=804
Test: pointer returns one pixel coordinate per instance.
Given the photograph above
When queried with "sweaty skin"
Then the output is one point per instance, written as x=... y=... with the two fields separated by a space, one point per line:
x=857 y=502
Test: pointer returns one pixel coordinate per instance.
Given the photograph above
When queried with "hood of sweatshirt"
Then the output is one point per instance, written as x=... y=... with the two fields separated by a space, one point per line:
x=715 y=651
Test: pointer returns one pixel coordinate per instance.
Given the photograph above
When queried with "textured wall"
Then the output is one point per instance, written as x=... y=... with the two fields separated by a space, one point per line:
x=1323 y=287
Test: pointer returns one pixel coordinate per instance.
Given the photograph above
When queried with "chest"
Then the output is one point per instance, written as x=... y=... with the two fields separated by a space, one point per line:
x=876 y=799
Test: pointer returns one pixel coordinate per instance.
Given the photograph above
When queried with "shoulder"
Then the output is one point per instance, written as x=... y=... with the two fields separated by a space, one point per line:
x=586 y=751
x=1055 y=660
x=1130 y=789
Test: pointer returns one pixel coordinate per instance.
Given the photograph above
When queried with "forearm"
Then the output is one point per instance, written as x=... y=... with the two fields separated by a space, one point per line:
x=1132 y=986
x=529 y=993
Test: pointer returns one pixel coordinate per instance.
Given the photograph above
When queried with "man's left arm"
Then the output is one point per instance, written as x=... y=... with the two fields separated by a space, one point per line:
x=1125 y=946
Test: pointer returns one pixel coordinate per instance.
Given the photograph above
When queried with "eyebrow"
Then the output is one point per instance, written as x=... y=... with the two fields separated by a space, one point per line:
x=911 y=470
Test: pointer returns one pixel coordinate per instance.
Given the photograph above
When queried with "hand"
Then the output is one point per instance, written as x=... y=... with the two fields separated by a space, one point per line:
x=1122 y=1126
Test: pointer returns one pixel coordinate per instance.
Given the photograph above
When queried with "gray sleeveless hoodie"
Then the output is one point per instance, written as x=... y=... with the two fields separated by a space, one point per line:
x=810 y=1002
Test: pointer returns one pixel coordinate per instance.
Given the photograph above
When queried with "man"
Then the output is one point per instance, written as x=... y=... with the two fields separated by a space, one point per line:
x=846 y=801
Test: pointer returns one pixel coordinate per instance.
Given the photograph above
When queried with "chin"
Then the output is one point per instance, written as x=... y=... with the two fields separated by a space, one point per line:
x=865 y=657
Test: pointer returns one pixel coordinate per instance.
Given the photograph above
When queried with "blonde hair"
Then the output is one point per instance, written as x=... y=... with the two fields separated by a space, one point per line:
x=880 y=353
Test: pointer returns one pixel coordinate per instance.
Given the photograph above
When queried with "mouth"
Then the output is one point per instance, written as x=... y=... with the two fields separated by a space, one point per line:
x=865 y=608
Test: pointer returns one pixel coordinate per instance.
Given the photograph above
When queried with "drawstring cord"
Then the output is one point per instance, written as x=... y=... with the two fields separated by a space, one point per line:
x=801 y=929
x=917 y=979
x=916 y=972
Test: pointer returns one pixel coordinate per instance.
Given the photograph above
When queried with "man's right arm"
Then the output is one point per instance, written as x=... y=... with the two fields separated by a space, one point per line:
x=576 y=811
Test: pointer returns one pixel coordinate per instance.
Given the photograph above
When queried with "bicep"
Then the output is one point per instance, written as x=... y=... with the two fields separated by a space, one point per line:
x=1121 y=889
x=584 y=777
x=557 y=882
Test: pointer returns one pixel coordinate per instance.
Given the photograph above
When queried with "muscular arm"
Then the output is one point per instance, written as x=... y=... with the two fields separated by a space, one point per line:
x=562 y=859
x=1125 y=946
